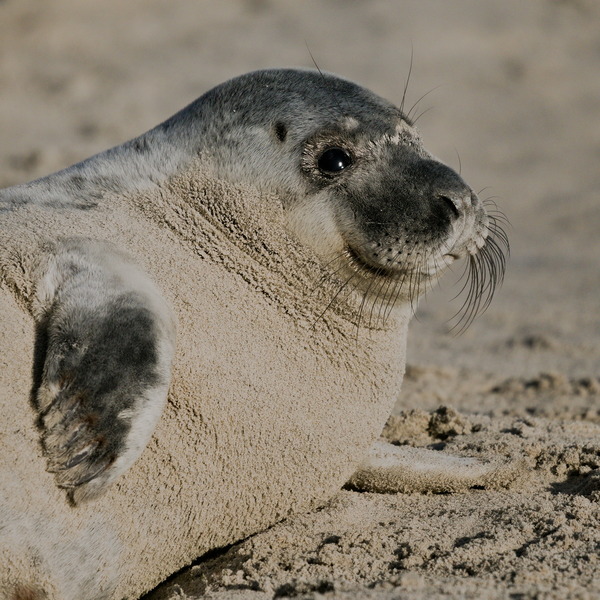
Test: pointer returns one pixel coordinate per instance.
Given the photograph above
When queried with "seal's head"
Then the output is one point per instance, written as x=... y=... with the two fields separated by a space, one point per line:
x=356 y=183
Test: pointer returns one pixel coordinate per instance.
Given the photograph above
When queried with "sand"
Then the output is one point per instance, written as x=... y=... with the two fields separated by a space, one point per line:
x=518 y=109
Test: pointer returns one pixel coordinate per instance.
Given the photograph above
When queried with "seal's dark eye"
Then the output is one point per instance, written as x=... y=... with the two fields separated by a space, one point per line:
x=334 y=160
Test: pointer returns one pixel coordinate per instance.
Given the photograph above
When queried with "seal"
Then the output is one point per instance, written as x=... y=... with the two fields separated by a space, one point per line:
x=285 y=224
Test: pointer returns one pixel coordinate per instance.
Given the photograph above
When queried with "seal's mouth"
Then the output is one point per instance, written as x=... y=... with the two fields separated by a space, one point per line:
x=361 y=264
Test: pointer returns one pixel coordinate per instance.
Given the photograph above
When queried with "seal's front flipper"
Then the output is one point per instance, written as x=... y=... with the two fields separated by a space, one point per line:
x=108 y=340
x=391 y=469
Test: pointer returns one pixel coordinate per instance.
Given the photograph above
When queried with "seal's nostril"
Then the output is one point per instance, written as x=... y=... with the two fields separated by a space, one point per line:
x=451 y=205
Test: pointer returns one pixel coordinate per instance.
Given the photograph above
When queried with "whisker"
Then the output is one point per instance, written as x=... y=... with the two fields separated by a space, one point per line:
x=393 y=299
x=414 y=121
x=330 y=275
x=469 y=307
x=364 y=300
x=414 y=106
x=328 y=84
x=494 y=212
x=398 y=284
x=459 y=161
x=335 y=296
x=388 y=284
x=410 y=67
x=484 y=274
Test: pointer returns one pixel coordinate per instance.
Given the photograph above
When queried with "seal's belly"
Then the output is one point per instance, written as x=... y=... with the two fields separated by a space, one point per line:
x=264 y=417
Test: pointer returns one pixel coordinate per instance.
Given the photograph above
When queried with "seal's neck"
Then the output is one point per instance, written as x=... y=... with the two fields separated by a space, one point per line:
x=245 y=231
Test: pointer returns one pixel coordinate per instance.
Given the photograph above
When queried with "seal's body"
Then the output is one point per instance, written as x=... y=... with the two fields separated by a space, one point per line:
x=283 y=224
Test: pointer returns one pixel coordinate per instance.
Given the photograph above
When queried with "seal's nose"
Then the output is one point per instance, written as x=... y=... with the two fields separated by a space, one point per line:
x=441 y=188
x=452 y=205
x=457 y=201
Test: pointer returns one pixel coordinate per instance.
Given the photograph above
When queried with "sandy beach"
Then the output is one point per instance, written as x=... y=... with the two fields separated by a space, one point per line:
x=510 y=95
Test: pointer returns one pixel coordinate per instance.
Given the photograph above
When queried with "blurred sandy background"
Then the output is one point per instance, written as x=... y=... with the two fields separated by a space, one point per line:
x=514 y=91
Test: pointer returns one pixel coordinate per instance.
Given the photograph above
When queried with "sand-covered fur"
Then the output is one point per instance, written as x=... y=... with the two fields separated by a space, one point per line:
x=220 y=404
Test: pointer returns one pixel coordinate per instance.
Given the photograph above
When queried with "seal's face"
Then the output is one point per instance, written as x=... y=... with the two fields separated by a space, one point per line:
x=361 y=190
x=396 y=212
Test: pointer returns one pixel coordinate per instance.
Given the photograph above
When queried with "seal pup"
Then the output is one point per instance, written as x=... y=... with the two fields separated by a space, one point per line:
x=285 y=224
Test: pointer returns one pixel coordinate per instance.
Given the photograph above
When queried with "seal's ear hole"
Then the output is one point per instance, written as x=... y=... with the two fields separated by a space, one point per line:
x=280 y=131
